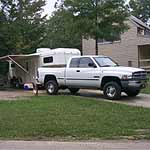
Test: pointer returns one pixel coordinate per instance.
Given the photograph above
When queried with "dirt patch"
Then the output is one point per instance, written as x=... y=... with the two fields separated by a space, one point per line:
x=14 y=94
x=142 y=100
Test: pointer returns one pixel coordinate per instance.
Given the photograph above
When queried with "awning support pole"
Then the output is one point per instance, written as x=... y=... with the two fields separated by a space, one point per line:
x=18 y=64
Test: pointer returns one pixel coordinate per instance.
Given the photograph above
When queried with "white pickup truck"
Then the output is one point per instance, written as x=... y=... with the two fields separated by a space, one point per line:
x=93 y=72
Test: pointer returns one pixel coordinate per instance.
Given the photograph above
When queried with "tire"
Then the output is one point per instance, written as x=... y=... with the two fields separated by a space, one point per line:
x=52 y=87
x=73 y=90
x=112 y=90
x=132 y=93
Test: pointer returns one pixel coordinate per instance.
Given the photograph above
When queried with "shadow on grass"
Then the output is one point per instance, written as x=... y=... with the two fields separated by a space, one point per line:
x=99 y=96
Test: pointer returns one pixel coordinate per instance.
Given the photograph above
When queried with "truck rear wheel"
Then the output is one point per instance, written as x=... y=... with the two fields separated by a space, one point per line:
x=52 y=87
x=112 y=90
x=74 y=90
x=132 y=93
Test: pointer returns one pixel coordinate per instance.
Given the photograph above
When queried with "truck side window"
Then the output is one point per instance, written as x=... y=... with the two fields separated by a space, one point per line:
x=84 y=62
x=74 y=63
x=48 y=60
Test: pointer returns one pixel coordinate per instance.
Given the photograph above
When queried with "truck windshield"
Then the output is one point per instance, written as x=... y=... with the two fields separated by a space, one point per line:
x=105 y=62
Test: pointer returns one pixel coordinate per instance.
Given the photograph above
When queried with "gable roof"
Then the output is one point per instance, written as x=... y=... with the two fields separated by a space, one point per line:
x=138 y=22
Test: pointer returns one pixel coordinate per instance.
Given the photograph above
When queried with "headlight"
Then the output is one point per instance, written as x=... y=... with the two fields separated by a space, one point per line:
x=125 y=77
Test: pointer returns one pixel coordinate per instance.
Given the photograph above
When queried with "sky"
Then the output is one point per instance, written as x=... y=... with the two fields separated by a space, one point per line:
x=49 y=8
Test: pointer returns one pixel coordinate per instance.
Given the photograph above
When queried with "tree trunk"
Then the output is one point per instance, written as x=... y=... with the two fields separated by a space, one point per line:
x=96 y=36
x=80 y=47
x=96 y=46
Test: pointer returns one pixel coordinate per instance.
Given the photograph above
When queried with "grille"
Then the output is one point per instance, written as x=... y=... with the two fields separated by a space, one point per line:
x=139 y=75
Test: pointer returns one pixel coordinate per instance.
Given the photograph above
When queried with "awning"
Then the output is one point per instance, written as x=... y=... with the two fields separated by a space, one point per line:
x=18 y=57
x=13 y=58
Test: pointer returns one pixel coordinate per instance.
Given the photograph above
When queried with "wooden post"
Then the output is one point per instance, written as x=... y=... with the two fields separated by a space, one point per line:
x=35 y=89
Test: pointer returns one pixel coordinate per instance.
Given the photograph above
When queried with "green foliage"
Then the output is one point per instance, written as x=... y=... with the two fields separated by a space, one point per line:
x=60 y=31
x=146 y=90
x=3 y=68
x=140 y=9
x=21 y=25
x=103 y=19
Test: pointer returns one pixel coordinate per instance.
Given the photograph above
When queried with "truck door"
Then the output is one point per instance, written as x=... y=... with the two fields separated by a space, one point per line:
x=82 y=72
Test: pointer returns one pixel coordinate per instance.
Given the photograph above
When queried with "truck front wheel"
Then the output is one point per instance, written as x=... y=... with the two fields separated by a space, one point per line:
x=73 y=90
x=52 y=87
x=132 y=93
x=112 y=90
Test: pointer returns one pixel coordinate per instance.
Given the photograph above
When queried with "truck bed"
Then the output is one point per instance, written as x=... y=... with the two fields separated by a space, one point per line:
x=58 y=72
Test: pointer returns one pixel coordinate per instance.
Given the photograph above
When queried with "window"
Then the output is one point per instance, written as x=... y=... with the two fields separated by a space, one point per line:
x=114 y=38
x=129 y=63
x=105 y=62
x=147 y=32
x=74 y=63
x=140 y=31
x=84 y=62
x=104 y=41
x=48 y=60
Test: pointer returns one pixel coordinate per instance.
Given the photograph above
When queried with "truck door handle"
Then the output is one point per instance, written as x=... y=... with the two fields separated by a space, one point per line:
x=77 y=70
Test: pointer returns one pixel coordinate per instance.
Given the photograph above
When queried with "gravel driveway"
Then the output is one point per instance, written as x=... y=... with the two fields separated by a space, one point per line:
x=140 y=100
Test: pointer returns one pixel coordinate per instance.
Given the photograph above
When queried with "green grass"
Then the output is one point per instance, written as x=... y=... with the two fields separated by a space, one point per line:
x=146 y=90
x=71 y=118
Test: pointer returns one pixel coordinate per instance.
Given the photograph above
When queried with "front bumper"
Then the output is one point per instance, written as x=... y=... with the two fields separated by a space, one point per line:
x=130 y=84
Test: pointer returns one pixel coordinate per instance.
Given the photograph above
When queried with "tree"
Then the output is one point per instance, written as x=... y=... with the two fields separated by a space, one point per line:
x=2 y=35
x=104 y=19
x=22 y=25
x=60 y=31
x=140 y=9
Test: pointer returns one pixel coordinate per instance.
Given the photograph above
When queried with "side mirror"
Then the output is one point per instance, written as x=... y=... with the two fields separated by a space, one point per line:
x=92 y=65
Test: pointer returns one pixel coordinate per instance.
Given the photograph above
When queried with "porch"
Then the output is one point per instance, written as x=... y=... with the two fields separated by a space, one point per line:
x=144 y=57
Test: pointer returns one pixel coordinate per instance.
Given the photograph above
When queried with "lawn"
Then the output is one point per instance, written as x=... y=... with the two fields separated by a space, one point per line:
x=69 y=117
x=146 y=90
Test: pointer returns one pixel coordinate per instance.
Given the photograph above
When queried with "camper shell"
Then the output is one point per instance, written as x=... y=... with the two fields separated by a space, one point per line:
x=23 y=68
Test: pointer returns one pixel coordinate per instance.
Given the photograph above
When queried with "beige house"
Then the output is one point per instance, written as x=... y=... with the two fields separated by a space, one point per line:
x=133 y=48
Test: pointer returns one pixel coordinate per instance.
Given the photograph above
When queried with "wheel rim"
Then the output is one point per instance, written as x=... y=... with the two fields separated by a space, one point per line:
x=111 y=91
x=50 y=88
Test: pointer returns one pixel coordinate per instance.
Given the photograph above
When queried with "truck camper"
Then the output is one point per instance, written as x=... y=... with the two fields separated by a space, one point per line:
x=23 y=68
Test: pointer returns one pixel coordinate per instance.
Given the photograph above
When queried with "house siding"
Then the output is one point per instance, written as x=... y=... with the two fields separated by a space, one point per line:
x=121 y=51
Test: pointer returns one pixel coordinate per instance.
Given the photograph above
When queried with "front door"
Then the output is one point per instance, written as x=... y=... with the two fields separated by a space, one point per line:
x=81 y=74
